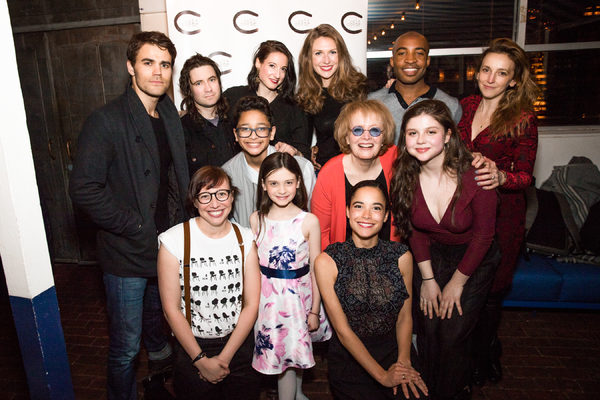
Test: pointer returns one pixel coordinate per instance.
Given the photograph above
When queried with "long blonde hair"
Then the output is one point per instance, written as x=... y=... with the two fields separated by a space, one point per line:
x=347 y=84
x=510 y=117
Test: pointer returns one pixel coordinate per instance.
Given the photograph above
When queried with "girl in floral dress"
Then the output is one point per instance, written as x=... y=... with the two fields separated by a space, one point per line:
x=288 y=240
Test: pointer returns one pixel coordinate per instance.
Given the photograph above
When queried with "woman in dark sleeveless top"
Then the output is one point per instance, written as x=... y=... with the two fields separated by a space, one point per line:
x=366 y=287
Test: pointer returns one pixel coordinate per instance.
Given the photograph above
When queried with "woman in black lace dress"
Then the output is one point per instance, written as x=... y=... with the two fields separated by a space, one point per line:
x=366 y=287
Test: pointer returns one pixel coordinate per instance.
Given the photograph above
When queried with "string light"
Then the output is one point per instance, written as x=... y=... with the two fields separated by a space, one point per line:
x=392 y=27
x=403 y=16
x=375 y=37
x=368 y=42
x=382 y=33
x=417 y=5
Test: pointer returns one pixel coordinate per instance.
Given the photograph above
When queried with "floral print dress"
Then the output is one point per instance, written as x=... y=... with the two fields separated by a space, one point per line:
x=281 y=332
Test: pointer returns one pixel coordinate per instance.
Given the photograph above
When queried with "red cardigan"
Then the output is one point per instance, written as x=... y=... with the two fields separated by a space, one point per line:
x=329 y=197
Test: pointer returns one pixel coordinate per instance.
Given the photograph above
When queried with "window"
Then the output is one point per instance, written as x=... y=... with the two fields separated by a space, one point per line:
x=561 y=38
x=562 y=21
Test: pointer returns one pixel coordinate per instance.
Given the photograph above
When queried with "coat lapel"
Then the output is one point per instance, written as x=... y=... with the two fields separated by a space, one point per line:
x=143 y=126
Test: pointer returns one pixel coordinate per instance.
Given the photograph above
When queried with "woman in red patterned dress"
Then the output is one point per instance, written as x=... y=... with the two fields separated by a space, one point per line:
x=501 y=124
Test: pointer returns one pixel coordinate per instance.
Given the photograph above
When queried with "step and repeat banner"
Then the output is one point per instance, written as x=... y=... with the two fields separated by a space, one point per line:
x=230 y=31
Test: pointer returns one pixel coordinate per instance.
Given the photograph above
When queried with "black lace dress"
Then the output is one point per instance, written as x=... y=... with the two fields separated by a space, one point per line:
x=371 y=291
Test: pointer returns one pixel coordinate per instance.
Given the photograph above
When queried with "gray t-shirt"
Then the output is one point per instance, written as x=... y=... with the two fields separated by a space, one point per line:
x=389 y=97
x=245 y=178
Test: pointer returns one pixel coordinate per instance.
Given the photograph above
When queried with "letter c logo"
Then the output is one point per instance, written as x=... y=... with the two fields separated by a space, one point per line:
x=189 y=22
x=350 y=14
x=292 y=27
x=239 y=29
x=221 y=62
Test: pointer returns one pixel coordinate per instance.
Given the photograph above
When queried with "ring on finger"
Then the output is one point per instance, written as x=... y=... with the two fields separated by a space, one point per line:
x=493 y=176
x=403 y=376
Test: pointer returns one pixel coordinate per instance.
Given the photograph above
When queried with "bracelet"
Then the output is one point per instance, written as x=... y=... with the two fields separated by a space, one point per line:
x=198 y=357
x=317 y=314
x=428 y=279
x=505 y=175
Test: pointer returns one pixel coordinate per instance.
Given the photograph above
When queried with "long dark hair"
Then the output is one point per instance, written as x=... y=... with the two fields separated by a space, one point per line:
x=271 y=164
x=185 y=85
x=288 y=86
x=457 y=160
x=510 y=117
x=347 y=84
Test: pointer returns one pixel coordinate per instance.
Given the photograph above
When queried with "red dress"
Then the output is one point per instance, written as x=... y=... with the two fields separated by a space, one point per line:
x=516 y=157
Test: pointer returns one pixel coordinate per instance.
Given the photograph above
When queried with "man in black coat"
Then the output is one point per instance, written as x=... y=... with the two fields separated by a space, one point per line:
x=130 y=175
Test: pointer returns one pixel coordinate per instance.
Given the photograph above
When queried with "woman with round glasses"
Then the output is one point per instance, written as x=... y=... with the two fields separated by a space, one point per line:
x=213 y=352
x=365 y=133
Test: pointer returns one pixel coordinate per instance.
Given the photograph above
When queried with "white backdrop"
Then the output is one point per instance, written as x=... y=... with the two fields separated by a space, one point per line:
x=230 y=31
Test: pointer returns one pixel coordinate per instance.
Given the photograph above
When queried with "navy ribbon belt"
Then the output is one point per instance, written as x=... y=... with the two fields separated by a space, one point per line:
x=283 y=273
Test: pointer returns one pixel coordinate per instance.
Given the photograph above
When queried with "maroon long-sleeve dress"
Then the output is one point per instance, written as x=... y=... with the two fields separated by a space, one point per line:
x=516 y=157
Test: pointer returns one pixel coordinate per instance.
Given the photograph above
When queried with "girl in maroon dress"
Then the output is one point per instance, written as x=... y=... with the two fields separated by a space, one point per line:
x=500 y=123
x=450 y=221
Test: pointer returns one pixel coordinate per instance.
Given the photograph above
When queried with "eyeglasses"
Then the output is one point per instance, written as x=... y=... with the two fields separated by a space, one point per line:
x=220 y=195
x=261 y=131
x=359 y=130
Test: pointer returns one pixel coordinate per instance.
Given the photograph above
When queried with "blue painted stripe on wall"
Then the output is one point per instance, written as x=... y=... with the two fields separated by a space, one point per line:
x=43 y=346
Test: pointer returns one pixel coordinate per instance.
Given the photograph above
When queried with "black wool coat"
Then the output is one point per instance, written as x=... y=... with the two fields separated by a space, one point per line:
x=116 y=177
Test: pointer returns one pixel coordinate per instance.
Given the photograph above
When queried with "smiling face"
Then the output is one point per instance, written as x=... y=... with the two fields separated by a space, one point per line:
x=425 y=139
x=365 y=146
x=495 y=75
x=366 y=213
x=410 y=59
x=151 y=73
x=271 y=72
x=281 y=186
x=253 y=145
x=325 y=59
x=205 y=87
x=216 y=212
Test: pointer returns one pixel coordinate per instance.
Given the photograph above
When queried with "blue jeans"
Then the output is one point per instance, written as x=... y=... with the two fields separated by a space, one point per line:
x=135 y=311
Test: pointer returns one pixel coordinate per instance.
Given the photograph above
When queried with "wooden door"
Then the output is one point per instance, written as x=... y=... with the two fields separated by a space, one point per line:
x=47 y=145
x=64 y=76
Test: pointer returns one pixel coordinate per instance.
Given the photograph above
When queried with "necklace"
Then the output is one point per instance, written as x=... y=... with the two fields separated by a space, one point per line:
x=482 y=120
